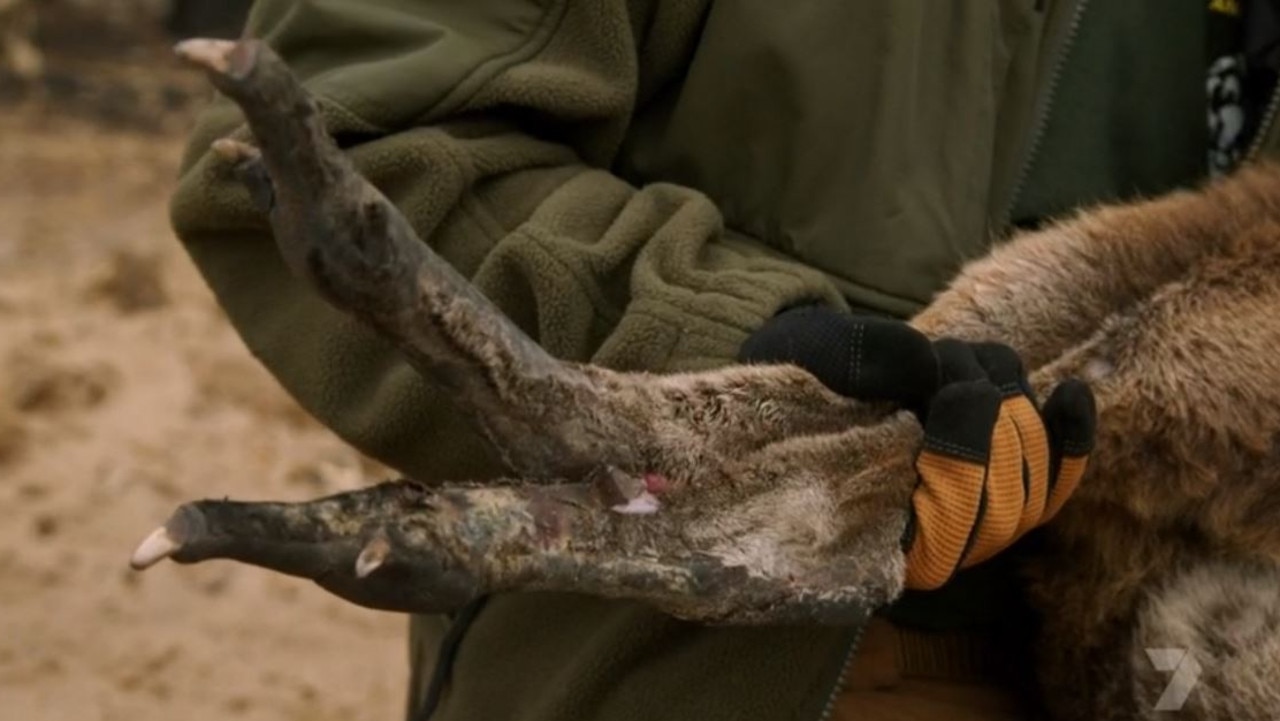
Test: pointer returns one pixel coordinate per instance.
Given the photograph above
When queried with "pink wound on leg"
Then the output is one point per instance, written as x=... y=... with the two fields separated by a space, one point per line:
x=656 y=483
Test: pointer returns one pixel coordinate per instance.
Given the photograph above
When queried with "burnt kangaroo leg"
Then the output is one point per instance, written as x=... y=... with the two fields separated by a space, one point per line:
x=548 y=418
x=790 y=535
x=750 y=465
x=779 y=500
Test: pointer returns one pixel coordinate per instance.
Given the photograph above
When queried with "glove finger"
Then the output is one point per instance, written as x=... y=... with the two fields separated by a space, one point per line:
x=957 y=361
x=864 y=357
x=1033 y=439
x=1005 y=368
x=1005 y=497
x=1071 y=420
x=948 y=502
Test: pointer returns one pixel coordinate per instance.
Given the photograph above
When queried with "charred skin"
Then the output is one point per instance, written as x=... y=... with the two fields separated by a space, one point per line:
x=401 y=546
x=624 y=485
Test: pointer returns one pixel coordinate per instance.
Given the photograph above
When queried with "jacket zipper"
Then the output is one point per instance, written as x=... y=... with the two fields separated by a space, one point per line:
x=1042 y=115
x=460 y=623
x=1033 y=147
x=1268 y=118
x=829 y=707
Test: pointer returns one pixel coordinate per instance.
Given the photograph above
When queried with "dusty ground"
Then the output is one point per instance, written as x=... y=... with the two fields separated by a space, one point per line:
x=122 y=393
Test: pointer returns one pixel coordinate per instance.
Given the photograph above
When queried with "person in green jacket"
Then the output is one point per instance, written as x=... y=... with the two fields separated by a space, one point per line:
x=642 y=184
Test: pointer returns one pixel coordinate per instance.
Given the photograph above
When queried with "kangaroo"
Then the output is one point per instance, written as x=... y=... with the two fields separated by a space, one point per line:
x=753 y=494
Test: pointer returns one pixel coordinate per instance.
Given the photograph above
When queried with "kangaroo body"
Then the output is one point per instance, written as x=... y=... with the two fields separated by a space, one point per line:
x=1173 y=540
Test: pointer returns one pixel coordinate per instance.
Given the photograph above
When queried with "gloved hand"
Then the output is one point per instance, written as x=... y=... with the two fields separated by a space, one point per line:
x=992 y=467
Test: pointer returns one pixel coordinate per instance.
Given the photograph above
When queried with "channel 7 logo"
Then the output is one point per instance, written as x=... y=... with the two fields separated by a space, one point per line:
x=1186 y=671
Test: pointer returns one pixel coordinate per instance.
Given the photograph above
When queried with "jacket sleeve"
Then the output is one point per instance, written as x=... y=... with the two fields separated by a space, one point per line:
x=491 y=124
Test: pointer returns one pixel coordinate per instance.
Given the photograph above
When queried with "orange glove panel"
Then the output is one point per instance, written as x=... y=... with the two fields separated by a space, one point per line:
x=993 y=466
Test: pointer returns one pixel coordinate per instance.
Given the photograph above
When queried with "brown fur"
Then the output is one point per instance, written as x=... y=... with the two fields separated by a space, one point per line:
x=1169 y=309
x=782 y=501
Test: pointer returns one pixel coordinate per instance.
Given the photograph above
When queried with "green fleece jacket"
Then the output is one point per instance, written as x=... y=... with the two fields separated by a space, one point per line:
x=639 y=184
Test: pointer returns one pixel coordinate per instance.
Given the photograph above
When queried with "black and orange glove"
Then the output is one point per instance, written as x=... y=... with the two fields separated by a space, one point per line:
x=993 y=465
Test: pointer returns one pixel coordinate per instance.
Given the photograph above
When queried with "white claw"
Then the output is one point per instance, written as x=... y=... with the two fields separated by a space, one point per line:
x=211 y=54
x=372 y=557
x=234 y=151
x=157 y=546
x=642 y=504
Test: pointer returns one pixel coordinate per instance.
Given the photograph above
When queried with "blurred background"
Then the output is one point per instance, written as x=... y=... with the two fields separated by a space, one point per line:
x=123 y=392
